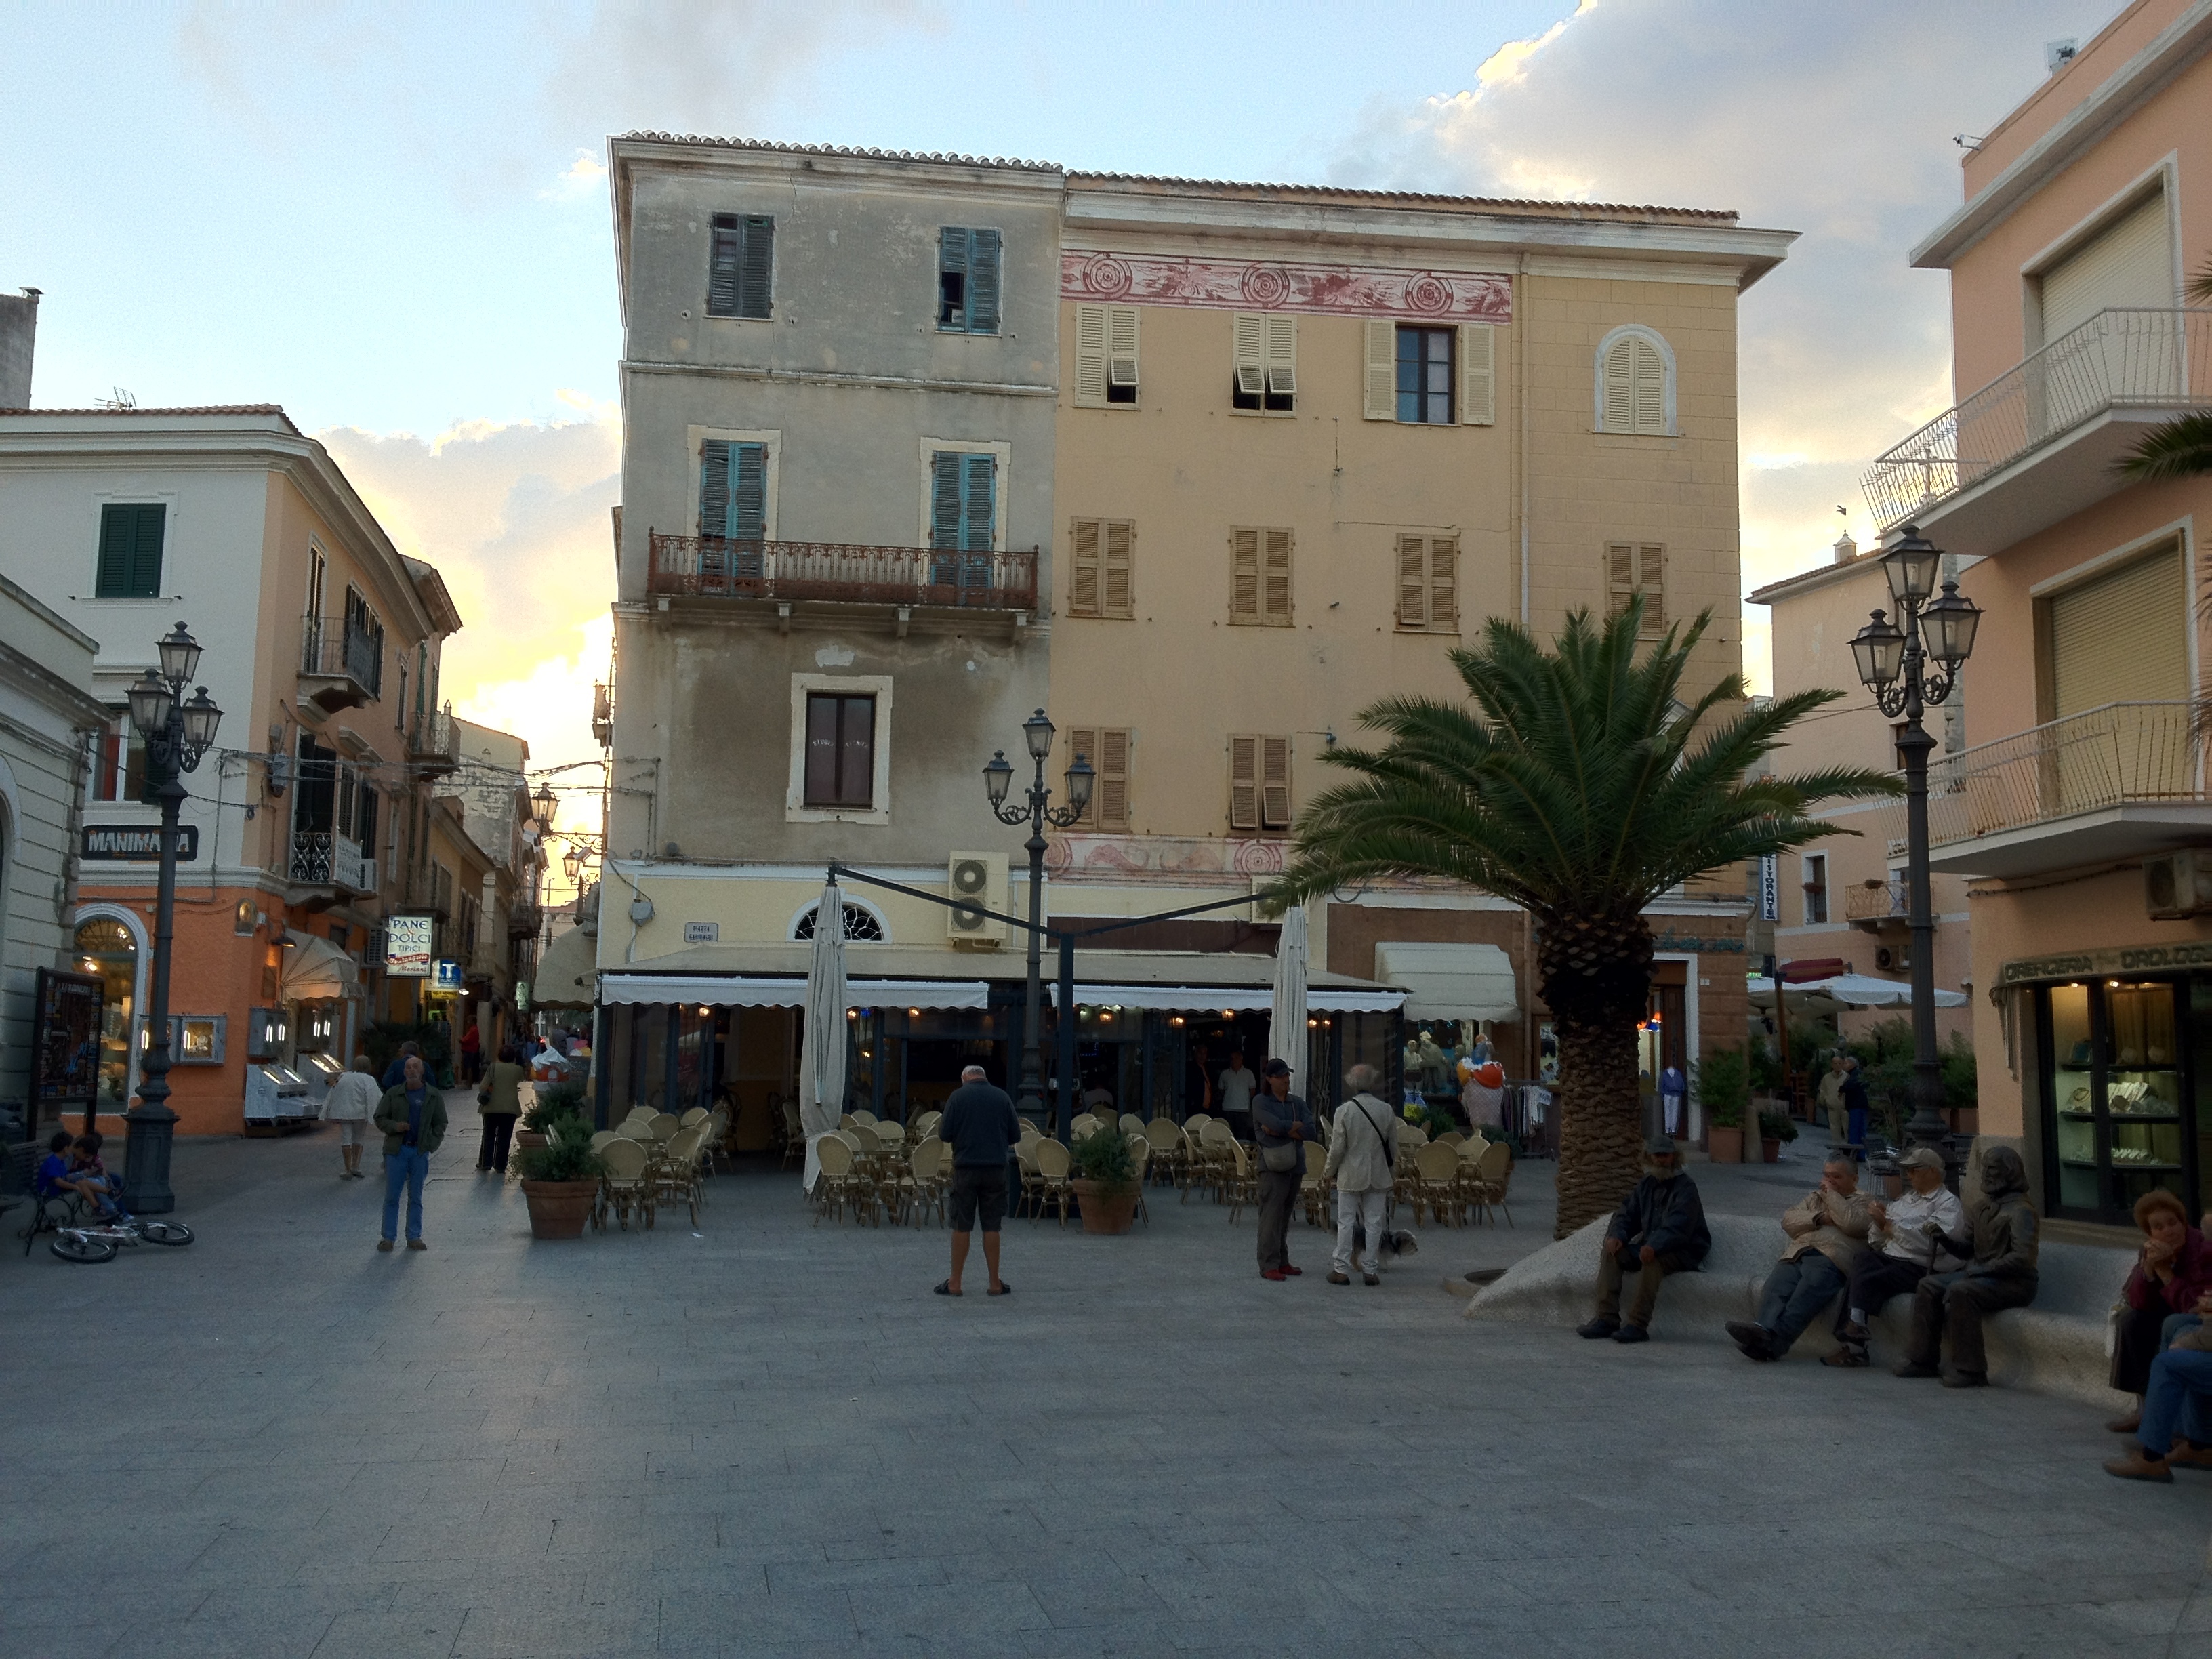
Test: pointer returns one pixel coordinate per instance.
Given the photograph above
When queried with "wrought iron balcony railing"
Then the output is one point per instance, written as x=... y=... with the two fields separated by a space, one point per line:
x=350 y=660
x=1876 y=901
x=710 y=567
x=2110 y=757
x=431 y=742
x=2122 y=359
x=321 y=857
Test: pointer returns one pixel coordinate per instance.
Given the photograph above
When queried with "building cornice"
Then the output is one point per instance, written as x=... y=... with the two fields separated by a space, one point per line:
x=1809 y=581
x=72 y=701
x=2125 y=92
x=834 y=377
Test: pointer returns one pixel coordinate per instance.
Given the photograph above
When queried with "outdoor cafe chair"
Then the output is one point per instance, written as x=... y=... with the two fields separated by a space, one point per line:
x=1239 y=1182
x=1053 y=1166
x=623 y=1187
x=1025 y=1159
x=833 y=1187
x=664 y=1125
x=1493 y=1172
x=693 y=1114
x=676 y=1178
x=1313 y=1186
x=1437 y=1168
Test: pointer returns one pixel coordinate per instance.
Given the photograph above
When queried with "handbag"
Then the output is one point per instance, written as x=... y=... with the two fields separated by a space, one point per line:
x=1280 y=1160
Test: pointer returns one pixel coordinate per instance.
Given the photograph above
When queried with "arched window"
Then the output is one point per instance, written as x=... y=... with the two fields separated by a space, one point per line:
x=105 y=947
x=1635 y=389
x=861 y=924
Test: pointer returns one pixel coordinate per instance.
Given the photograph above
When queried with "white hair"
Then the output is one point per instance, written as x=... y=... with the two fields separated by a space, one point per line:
x=1362 y=1078
x=973 y=1074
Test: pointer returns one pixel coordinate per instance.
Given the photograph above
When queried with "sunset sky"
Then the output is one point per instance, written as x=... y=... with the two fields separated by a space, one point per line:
x=392 y=219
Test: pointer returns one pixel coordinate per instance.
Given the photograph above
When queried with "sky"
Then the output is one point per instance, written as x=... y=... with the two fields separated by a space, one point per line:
x=392 y=218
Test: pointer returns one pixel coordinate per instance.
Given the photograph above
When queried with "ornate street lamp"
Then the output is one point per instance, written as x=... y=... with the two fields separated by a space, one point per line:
x=1037 y=811
x=178 y=734
x=1910 y=669
x=545 y=803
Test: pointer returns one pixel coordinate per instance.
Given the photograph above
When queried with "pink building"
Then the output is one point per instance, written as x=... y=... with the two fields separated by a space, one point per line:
x=2079 y=813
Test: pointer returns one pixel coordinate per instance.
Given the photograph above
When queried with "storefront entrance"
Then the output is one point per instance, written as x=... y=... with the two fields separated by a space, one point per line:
x=2126 y=1068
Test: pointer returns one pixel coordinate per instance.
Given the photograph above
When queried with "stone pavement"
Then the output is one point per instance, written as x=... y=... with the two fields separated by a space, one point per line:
x=767 y=1438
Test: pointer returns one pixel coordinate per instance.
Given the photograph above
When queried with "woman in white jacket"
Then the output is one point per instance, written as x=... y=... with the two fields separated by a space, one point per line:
x=351 y=1104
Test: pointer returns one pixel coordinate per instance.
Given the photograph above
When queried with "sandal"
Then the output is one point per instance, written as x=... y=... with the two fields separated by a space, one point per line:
x=1847 y=1358
x=1003 y=1289
x=944 y=1288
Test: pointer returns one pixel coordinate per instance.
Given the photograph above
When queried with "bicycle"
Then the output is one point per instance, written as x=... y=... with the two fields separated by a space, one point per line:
x=100 y=1238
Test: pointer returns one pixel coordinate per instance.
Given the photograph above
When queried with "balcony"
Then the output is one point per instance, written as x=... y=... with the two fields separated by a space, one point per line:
x=322 y=857
x=1872 y=905
x=788 y=573
x=341 y=667
x=2115 y=783
x=431 y=744
x=523 y=921
x=2041 y=442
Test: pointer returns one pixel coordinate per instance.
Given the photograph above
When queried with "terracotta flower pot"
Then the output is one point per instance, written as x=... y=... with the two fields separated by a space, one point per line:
x=1726 y=1145
x=1105 y=1209
x=558 y=1209
x=1770 y=1150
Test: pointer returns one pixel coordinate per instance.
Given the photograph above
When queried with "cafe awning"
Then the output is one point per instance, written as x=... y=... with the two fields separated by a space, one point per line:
x=1449 y=982
x=749 y=991
x=1227 y=999
x=567 y=974
x=316 y=970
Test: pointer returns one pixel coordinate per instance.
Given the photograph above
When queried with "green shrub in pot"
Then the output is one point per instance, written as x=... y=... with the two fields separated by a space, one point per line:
x=1105 y=1157
x=567 y=1154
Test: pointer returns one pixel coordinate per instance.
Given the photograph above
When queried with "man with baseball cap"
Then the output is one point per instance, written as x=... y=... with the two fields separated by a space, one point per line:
x=1926 y=1228
x=1282 y=1123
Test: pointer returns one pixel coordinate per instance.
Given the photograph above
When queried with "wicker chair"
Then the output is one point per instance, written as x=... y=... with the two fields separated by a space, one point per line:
x=624 y=1186
x=1053 y=1166
x=1437 y=1170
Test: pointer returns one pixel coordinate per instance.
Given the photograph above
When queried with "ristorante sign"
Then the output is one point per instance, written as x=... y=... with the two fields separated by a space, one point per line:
x=2122 y=959
x=1148 y=279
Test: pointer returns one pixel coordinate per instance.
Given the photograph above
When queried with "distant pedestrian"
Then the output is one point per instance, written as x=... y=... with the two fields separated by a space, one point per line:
x=471 y=1052
x=1362 y=1151
x=1282 y=1123
x=1831 y=1098
x=499 y=1102
x=351 y=1104
x=1659 y=1229
x=1855 y=1108
x=397 y=1071
x=412 y=1116
x=1675 y=1099
x=981 y=1128
x=1235 y=1090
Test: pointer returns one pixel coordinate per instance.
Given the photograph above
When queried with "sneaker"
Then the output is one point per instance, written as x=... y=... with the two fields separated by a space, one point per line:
x=2136 y=1467
x=383 y=1243
x=1753 y=1341
x=1295 y=1273
x=1855 y=1331
x=1600 y=1326
x=1370 y=1279
x=1339 y=1279
x=1631 y=1334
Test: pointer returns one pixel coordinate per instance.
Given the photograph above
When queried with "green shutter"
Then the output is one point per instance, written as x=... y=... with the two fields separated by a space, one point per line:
x=722 y=267
x=982 y=282
x=978 y=472
x=130 y=563
x=944 y=515
x=749 y=490
x=714 y=488
x=756 y=260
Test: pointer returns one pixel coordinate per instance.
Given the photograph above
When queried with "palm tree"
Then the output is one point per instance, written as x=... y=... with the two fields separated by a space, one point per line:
x=2180 y=448
x=1581 y=788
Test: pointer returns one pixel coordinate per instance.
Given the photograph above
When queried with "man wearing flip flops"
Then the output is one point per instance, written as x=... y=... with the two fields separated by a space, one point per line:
x=981 y=1127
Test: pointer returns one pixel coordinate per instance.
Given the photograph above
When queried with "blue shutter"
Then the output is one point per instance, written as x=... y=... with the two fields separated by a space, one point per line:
x=952 y=278
x=982 y=282
x=722 y=267
x=714 y=488
x=757 y=263
x=749 y=491
x=979 y=472
x=945 y=500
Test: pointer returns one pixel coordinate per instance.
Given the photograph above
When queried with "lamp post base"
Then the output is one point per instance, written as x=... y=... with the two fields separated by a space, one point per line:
x=150 y=1129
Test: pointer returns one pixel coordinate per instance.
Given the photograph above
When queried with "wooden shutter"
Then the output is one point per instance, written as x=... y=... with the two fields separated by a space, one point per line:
x=1274 y=783
x=1283 y=356
x=978 y=514
x=1634 y=567
x=714 y=488
x=722 y=266
x=1121 y=346
x=1083 y=568
x=1243 y=783
x=1412 y=581
x=1109 y=799
x=2129 y=263
x=1091 y=356
x=982 y=282
x=1428 y=583
x=129 y=561
x=945 y=500
x=1478 y=356
x=749 y=490
x=856 y=759
x=1382 y=376
x=2122 y=637
x=1619 y=400
x=1249 y=342
x=1275 y=576
x=1650 y=371
x=756 y=265
x=1119 y=596
x=1244 y=576
x=953 y=261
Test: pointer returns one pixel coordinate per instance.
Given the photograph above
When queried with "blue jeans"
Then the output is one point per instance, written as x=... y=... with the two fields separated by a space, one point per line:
x=408 y=1165
x=1796 y=1293
x=2178 y=1377
x=1855 y=1122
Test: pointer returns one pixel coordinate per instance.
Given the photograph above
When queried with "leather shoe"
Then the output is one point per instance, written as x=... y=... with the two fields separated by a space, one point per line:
x=2127 y=1424
x=416 y=1245
x=1855 y=1331
x=1275 y=1275
x=1958 y=1379
x=1908 y=1368
x=1597 y=1328
x=2136 y=1467
x=1631 y=1334
x=1754 y=1341
x=1295 y=1273
x=1339 y=1279
x=2183 y=1456
x=1370 y=1279
x=383 y=1243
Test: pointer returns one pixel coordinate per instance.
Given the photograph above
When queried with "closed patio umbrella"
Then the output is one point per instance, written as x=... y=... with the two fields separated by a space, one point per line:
x=822 y=1067
x=1286 y=1029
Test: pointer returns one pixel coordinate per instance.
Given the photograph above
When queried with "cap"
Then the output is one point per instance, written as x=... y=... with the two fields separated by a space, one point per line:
x=1922 y=1157
x=1660 y=1146
x=1276 y=1069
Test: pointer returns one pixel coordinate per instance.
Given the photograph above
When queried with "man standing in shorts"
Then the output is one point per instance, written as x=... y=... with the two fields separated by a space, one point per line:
x=981 y=1128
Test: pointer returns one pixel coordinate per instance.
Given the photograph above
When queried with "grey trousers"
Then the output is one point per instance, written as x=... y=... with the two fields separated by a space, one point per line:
x=1278 y=1194
x=1951 y=1306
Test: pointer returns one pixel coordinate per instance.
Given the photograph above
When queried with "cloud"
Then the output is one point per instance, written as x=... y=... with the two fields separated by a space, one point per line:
x=516 y=519
x=582 y=177
x=1831 y=120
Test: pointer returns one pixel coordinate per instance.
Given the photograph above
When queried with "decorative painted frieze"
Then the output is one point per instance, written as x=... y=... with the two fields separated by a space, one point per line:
x=1268 y=285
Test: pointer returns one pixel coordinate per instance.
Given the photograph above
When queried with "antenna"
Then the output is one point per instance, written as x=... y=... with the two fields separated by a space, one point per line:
x=1968 y=141
x=122 y=399
x=2057 y=54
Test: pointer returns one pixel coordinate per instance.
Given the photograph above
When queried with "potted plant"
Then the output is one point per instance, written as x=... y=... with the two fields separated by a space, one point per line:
x=1722 y=1082
x=561 y=1179
x=1774 y=1128
x=546 y=1110
x=1104 y=1177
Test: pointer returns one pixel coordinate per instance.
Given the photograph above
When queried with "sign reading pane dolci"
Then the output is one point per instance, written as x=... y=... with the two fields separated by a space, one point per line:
x=407 y=946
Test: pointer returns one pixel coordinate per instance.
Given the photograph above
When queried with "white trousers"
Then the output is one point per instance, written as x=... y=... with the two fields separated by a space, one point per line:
x=1366 y=1210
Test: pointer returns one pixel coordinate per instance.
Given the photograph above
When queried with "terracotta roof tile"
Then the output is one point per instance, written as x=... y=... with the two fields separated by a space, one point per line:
x=847 y=150
x=1507 y=203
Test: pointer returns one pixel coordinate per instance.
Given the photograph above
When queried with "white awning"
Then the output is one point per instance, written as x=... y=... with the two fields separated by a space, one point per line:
x=1851 y=990
x=1449 y=982
x=734 y=991
x=565 y=973
x=316 y=970
x=1239 y=998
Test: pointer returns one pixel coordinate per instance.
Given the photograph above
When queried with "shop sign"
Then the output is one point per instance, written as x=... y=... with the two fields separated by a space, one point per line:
x=136 y=843
x=702 y=933
x=1770 y=887
x=407 y=945
x=447 y=975
x=2124 y=959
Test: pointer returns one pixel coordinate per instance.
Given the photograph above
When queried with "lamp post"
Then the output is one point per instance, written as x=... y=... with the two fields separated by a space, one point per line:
x=178 y=734
x=1910 y=669
x=997 y=779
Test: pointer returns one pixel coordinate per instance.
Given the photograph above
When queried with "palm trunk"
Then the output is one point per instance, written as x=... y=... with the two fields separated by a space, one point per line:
x=1597 y=981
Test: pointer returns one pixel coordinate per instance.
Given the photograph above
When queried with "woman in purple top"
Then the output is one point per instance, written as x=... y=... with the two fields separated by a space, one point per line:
x=2172 y=1269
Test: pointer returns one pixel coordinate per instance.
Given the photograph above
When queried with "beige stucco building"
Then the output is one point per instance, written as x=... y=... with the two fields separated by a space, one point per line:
x=2080 y=811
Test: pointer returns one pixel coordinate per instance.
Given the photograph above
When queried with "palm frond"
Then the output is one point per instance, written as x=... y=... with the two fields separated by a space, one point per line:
x=2178 y=448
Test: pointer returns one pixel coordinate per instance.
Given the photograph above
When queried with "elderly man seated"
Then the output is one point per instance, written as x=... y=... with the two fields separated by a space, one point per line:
x=1660 y=1228
x=2002 y=1274
x=2176 y=1407
x=1924 y=1230
x=1827 y=1231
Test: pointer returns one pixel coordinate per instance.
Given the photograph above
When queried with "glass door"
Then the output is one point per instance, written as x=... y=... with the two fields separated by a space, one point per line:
x=2114 y=1090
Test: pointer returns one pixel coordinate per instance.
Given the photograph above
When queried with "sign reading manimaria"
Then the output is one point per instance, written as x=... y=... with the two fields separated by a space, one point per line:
x=138 y=843
x=408 y=941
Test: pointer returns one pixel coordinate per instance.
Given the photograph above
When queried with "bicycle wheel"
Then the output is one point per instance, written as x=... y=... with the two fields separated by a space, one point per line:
x=165 y=1232
x=77 y=1248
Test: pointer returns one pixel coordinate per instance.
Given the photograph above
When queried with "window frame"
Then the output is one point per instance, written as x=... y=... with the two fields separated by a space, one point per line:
x=1807 y=864
x=739 y=222
x=966 y=323
x=1449 y=335
x=165 y=572
x=878 y=810
x=1670 y=424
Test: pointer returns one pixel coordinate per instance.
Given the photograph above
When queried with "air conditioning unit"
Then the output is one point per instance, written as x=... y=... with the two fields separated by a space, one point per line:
x=2179 y=884
x=976 y=882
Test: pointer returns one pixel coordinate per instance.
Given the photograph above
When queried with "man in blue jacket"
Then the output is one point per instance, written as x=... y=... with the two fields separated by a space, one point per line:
x=1659 y=1230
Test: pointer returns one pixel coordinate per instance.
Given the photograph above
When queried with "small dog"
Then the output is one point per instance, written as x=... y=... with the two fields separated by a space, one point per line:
x=1396 y=1241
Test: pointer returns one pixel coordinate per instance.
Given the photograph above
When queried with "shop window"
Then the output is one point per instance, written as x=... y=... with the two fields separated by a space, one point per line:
x=106 y=948
x=2116 y=1093
x=1816 y=889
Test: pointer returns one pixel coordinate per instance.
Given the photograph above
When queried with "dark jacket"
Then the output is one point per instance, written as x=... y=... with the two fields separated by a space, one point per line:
x=2192 y=1277
x=1668 y=1215
x=391 y=1118
x=1854 y=1092
x=980 y=1125
x=1271 y=1119
x=2005 y=1225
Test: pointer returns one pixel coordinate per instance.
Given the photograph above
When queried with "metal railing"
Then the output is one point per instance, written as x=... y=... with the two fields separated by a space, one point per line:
x=432 y=740
x=2101 y=757
x=330 y=650
x=523 y=921
x=710 y=567
x=2125 y=358
x=322 y=857
x=1878 y=901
